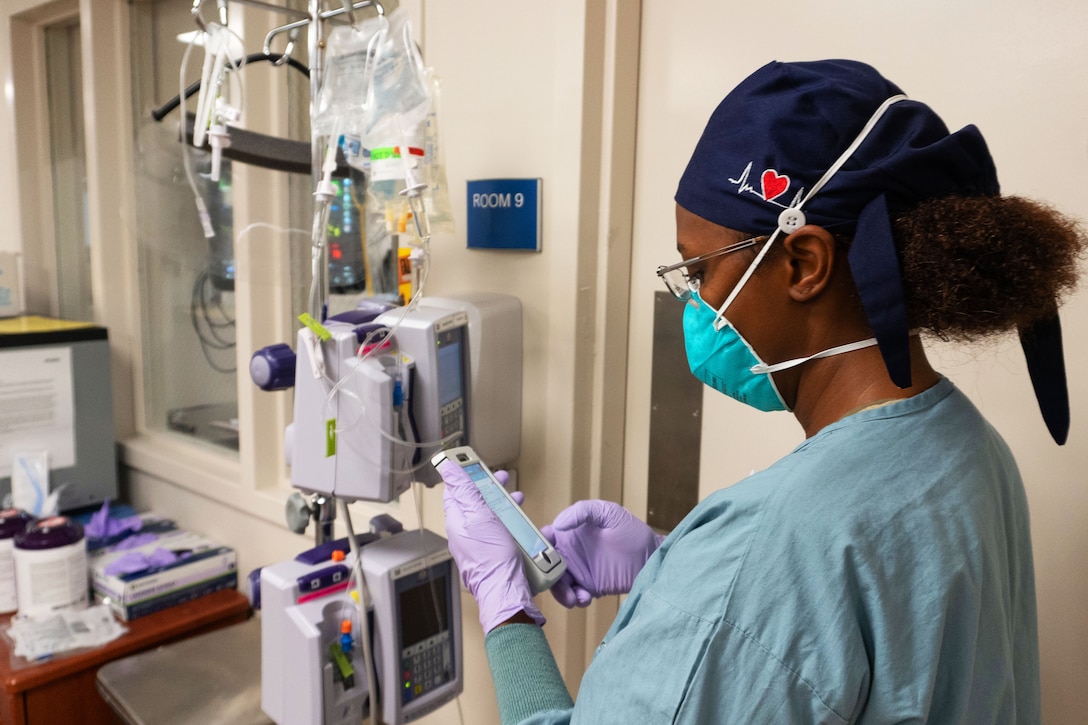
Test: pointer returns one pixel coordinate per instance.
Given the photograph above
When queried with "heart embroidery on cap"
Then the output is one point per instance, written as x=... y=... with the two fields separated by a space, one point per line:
x=774 y=184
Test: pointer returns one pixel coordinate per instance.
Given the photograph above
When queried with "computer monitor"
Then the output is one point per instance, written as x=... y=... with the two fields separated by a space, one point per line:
x=347 y=268
x=56 y=396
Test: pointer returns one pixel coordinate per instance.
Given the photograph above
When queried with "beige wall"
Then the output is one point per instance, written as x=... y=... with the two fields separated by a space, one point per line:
x=1014 y=69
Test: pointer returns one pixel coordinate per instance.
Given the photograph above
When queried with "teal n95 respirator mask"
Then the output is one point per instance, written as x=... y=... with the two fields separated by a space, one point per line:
x=724 y=360
x=719 y=356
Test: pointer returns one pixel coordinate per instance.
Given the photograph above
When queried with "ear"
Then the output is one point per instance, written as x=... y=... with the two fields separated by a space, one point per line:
x=810 y=252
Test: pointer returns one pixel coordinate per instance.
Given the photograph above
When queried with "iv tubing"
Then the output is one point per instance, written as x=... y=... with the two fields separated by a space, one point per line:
x=364 y=634
x=214 y=74
x=187 y=164
x=363 y=353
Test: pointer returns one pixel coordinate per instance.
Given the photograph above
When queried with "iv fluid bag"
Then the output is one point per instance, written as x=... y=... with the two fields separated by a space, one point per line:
x=343 y=94
x=374 y=77
x=399 y=94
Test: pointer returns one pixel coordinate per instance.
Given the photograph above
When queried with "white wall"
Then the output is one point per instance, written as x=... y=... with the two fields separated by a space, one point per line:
x=1016 y=70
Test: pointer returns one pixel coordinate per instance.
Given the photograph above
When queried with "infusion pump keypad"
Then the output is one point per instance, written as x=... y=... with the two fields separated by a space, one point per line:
x=426 y=665
x=453 y=419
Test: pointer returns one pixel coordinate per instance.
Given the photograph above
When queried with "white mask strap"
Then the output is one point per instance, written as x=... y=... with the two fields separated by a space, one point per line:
x=719 y=318
x=848 y=347
x=869 y=126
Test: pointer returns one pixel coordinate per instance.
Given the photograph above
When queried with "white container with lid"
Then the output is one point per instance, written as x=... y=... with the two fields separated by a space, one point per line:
x=12 y=522
x=51 y=567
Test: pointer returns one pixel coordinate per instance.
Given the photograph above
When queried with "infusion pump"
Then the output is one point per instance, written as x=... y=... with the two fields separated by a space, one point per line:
x=377 y=394
x=312 y=662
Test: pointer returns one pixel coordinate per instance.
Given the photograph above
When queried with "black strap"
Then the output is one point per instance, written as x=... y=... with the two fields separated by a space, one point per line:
x=1042 y=343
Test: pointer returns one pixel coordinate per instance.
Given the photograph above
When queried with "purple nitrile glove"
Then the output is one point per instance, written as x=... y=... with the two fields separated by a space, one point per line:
x=129 y=563
x=605 y=547
x=486 y=554
x=101 y=526
x=164 y=557
x=504 y=478
x=135 y=561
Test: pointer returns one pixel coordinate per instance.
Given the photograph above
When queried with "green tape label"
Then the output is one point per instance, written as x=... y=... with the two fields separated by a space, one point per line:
x=393 y=152
x=330 y=437
x=315 y=326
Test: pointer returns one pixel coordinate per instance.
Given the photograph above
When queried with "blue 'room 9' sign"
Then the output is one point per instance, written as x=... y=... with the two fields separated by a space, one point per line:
x=504 y=214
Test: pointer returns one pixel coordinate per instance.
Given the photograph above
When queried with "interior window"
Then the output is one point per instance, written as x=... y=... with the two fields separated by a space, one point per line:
x=69 y=172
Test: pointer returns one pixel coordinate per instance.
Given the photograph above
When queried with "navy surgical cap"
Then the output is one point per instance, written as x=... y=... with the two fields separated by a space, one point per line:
x=772 y=139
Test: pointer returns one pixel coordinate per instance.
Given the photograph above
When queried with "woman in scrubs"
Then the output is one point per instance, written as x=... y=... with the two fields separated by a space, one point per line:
x=882 y=571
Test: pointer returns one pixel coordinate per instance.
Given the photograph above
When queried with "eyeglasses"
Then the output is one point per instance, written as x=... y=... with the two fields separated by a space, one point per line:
x=681 y=285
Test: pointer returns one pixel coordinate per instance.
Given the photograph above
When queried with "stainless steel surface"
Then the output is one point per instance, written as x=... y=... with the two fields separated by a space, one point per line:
x=212 y=678
x=676 y=420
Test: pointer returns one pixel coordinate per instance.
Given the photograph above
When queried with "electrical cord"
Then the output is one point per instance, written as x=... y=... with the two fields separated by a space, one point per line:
x=364 y=596
x=208 y=329
x=211 y=320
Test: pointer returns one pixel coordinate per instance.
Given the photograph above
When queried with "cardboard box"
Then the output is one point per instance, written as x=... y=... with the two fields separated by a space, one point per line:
x=204 y=567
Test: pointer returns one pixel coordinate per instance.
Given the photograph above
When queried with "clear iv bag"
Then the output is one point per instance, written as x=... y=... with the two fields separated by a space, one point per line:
x=394 y=120
x=342 y=97
x=399 y=94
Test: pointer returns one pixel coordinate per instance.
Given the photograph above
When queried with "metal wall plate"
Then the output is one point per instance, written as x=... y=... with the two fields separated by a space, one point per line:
x=676 y=420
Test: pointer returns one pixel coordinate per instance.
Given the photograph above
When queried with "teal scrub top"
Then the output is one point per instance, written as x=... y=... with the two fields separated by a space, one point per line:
x=880 y=573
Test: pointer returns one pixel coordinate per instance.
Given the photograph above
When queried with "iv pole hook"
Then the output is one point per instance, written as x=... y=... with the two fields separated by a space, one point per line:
x=323 y=16
x=199 y=19
x=349 y=8
x=292 y=36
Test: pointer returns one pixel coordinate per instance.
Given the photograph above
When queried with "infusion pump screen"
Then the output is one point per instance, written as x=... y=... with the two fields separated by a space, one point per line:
x=451 y=381
x=423 y=611
x=425 y=639
x=450 y=374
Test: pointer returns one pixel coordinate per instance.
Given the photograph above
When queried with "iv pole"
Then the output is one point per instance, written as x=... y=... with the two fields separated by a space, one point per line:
x=314 y=17
x=321 y=508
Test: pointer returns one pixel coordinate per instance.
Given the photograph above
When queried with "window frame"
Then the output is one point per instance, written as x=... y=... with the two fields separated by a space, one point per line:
x=257 y=479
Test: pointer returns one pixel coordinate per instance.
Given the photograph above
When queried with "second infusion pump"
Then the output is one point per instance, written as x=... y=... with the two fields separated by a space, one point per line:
x=367 y=423
x=309 y=676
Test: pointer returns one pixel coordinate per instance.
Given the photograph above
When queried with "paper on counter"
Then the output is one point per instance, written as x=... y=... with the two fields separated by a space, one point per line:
x=76 y=629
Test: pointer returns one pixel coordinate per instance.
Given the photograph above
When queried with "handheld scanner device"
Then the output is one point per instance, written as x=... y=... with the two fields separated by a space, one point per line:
x=543 y=565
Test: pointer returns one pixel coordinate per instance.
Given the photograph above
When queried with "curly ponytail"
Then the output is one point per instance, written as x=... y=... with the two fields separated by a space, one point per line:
x=974 y=267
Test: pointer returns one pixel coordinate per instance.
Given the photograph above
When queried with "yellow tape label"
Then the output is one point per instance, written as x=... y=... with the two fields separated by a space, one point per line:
x=315 y=326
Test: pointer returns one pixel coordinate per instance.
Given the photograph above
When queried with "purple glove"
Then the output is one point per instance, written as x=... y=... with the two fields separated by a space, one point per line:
x=135 y=561
x=605 y=547
x=101 y=526
x=485 y=552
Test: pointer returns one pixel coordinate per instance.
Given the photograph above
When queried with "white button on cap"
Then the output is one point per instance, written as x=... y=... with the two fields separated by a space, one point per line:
x=790 y=220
